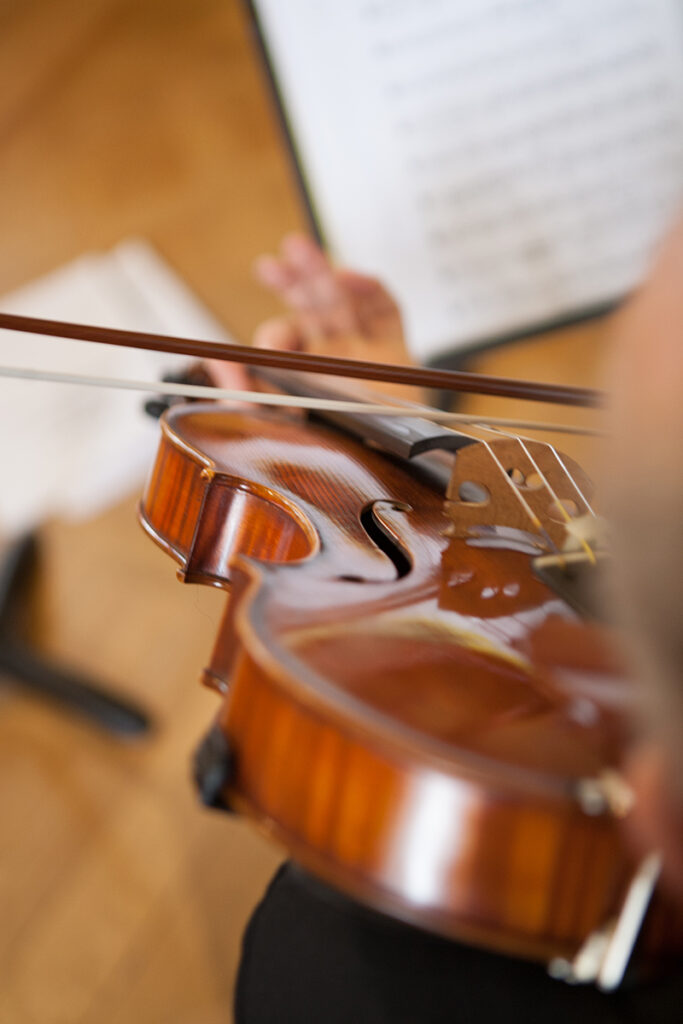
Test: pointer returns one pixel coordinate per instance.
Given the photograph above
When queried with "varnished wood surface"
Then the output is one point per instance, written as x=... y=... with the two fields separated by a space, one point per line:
x=335 y=753
x=119 y=898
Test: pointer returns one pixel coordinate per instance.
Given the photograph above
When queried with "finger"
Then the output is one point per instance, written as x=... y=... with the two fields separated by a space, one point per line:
x=375 y=308
x=280 y=333
x=234 y=376
x=320 y=289
x=305 y=281
x=359 y=284
x=274 y=273
x=301 y=251
x=366 y=290
x=312 y=284
x=287 y=281
x=300 y=260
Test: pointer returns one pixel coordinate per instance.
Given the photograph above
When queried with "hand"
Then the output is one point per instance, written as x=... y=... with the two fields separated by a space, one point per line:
x=332 y=311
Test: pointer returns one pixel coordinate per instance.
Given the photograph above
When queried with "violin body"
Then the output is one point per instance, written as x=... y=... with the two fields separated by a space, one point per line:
x=386 y=718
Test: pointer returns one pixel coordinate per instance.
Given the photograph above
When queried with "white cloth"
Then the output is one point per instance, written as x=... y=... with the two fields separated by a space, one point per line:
x=69 y=450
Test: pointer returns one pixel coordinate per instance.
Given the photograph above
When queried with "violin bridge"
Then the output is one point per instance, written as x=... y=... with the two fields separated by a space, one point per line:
x=517 y=484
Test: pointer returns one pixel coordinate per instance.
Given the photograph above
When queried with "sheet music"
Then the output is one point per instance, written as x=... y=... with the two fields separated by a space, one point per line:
x=498 y=162
x=70 y=450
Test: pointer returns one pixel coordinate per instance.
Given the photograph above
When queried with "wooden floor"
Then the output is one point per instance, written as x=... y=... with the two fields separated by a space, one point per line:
x=120 y=899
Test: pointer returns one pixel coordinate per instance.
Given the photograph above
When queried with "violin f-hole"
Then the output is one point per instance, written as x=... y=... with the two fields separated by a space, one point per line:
x=380 y=535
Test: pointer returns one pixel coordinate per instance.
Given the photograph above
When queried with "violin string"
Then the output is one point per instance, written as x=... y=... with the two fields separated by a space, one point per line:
x=558 y=457
x=510 y=483
x=559 y=505
x=515 y=490
x=264 y=398
x=571 y=476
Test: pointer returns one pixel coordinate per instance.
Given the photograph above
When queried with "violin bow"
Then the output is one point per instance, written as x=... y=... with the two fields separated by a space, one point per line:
x=304 y=362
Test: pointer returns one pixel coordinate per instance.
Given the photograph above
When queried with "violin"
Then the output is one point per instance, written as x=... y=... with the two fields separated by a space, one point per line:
x=395 y=707
x=382 y=715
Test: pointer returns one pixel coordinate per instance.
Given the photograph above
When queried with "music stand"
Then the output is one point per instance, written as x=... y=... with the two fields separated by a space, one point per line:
x=28 y=668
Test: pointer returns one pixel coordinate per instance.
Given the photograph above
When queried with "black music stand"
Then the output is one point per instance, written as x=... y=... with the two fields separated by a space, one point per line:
x=29 y=668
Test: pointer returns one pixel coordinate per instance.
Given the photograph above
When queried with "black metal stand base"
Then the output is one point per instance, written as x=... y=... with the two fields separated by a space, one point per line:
x=28 y=668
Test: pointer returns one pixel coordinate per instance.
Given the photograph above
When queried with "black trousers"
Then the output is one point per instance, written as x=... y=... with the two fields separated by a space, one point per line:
x=313 y=957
